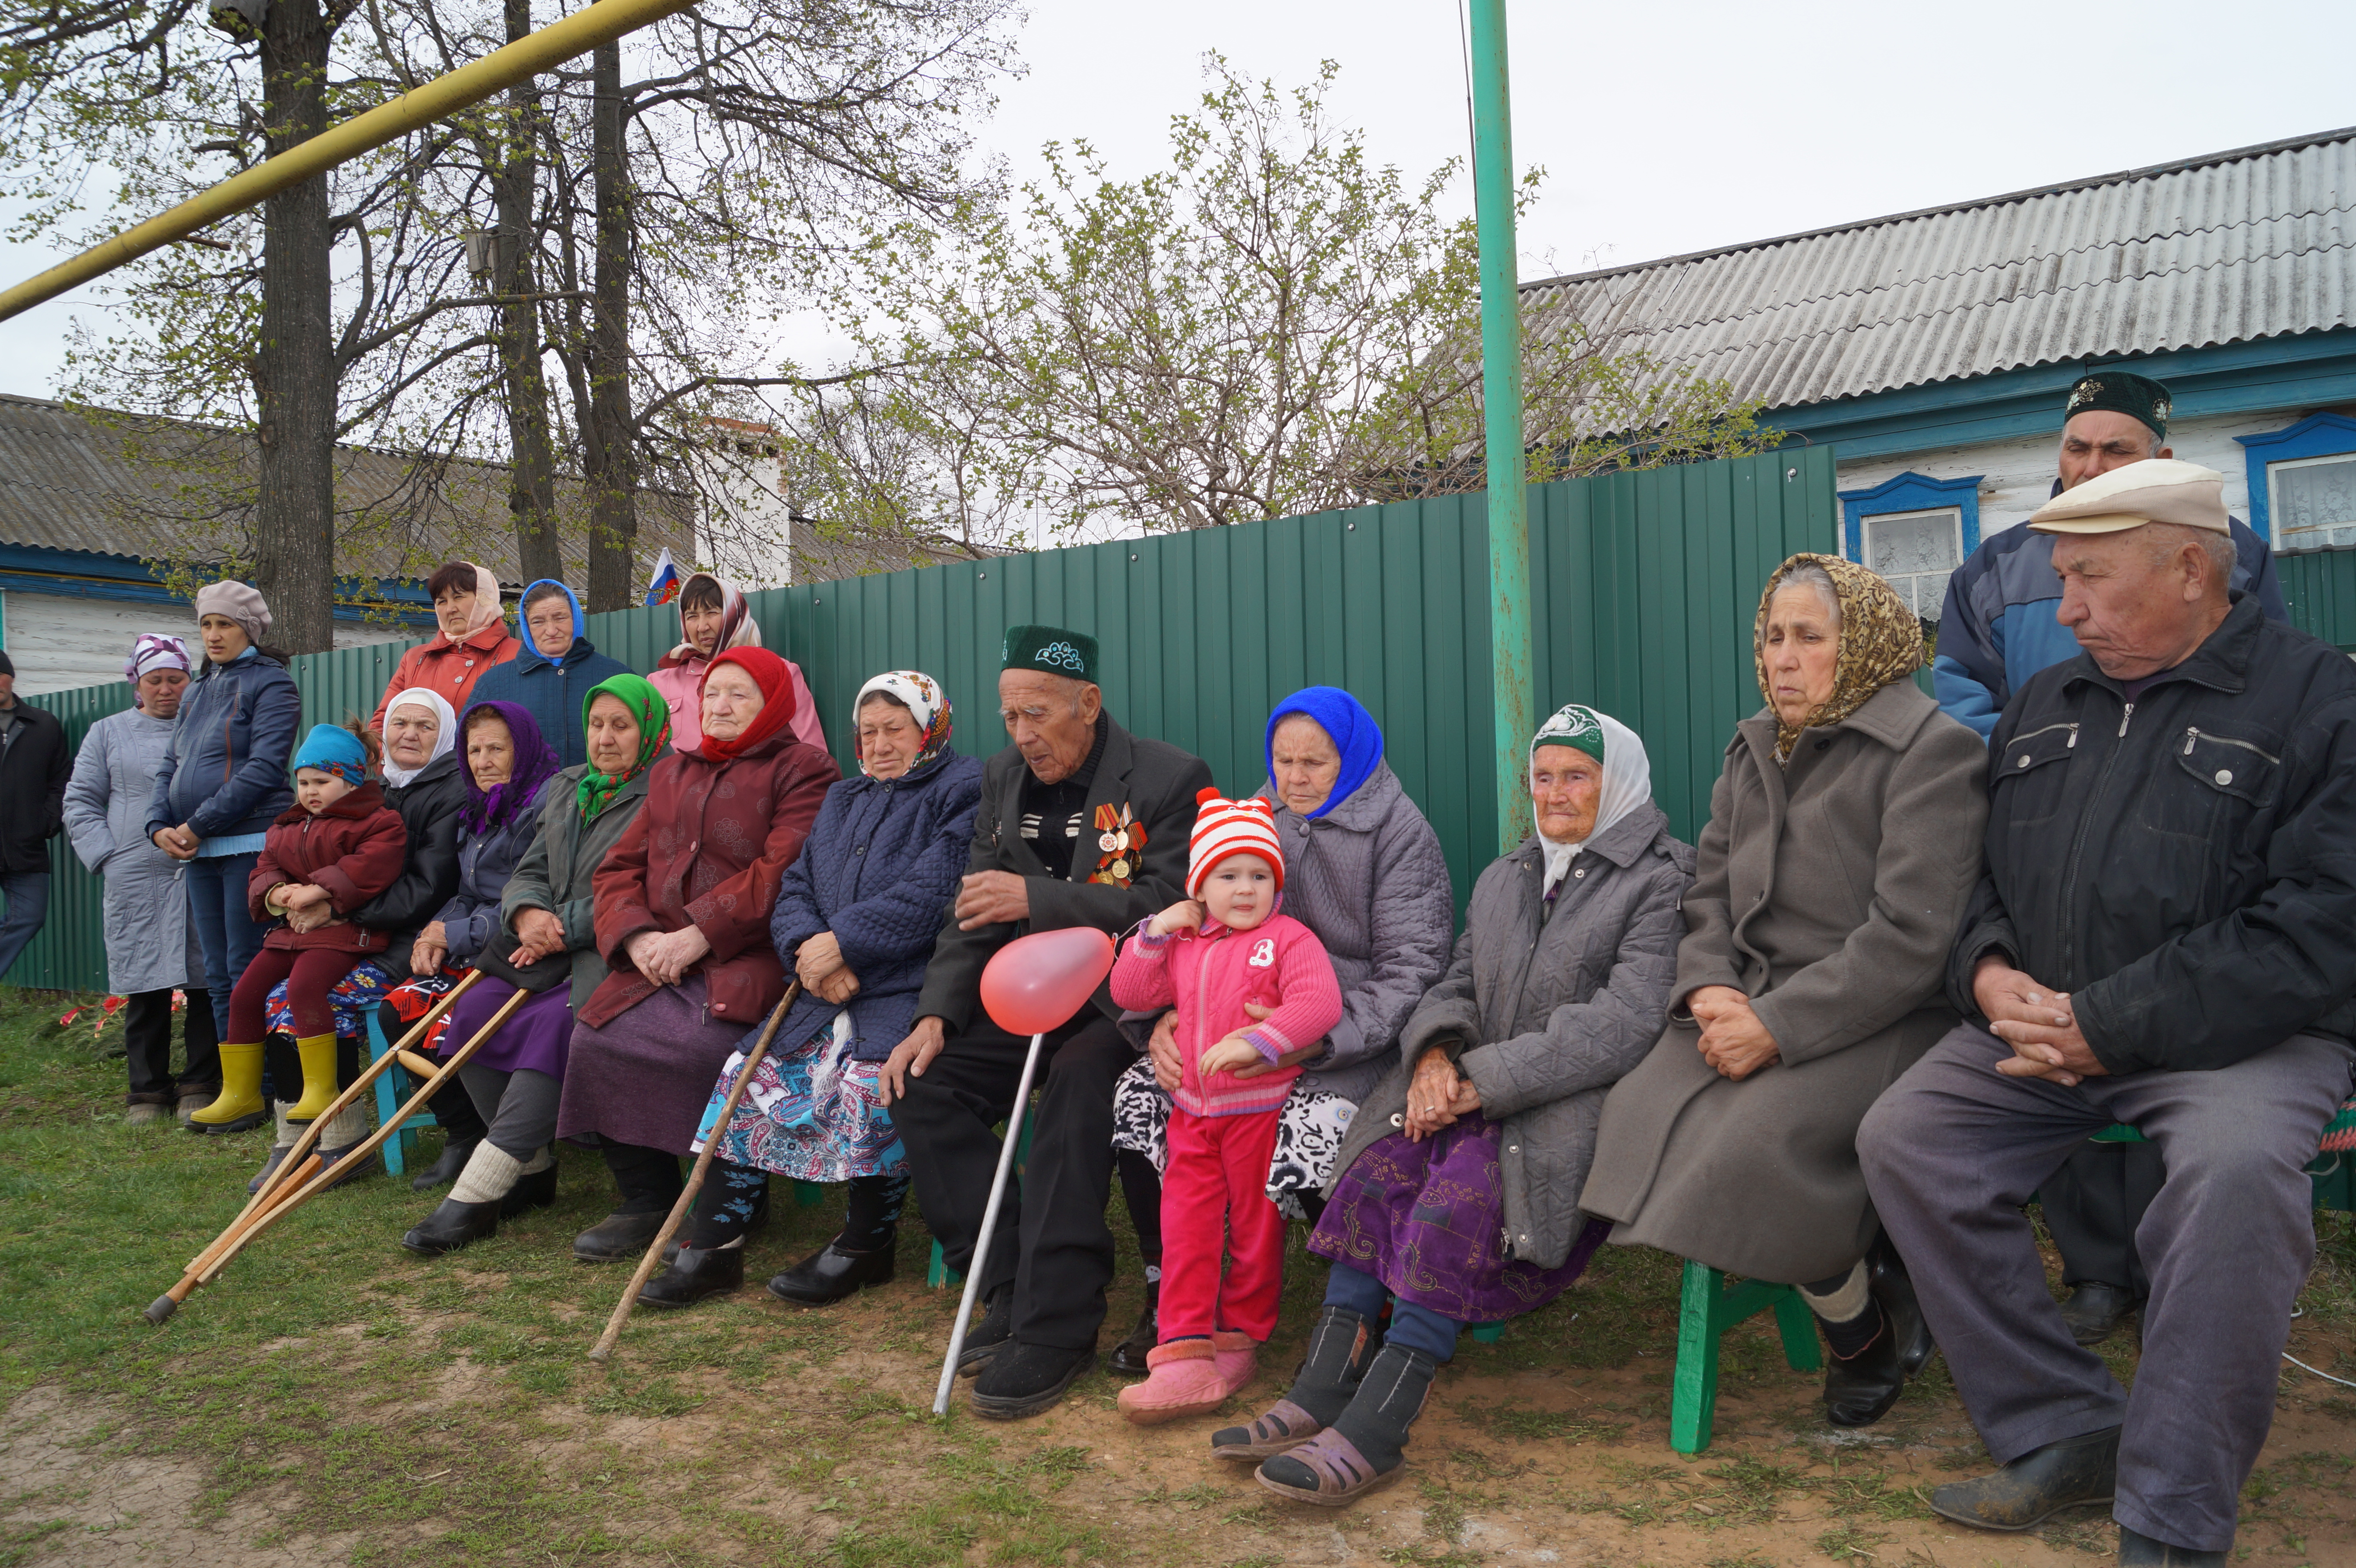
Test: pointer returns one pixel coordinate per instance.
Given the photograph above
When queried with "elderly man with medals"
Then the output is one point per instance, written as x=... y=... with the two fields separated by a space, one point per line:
x=1081 y=824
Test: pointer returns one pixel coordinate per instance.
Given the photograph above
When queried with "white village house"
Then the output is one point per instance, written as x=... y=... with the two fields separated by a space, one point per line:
x=1932 y=349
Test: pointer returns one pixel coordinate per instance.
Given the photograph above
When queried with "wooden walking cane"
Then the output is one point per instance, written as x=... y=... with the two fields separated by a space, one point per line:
x=318 y=1181
x=295 y=1169
x=613 y=1334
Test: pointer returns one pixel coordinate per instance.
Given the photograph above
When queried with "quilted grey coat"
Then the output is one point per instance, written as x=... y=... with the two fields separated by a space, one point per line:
x=1368 y=878
x=1546 y=1012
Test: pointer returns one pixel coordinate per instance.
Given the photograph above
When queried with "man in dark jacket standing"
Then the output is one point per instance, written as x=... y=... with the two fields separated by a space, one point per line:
x=1081 y=824
x=1998 y=628
x=2159 y=938
x=35 y=763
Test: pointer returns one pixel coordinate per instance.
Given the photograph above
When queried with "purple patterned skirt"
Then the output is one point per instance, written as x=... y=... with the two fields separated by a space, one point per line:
x=537 y=1035
x=1429 y=1220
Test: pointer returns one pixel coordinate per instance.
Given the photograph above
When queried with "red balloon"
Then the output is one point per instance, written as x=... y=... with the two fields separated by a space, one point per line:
x=1036 y=983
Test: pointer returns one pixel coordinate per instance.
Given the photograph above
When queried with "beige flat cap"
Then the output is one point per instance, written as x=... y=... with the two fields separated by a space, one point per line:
x=2157 y=490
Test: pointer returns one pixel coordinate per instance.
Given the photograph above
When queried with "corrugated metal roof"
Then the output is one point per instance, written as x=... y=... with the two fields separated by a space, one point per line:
x=129 y=485
x=2255 y=243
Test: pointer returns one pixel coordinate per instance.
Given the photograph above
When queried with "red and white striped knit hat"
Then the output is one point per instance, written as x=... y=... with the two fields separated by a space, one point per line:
x=1225 y=827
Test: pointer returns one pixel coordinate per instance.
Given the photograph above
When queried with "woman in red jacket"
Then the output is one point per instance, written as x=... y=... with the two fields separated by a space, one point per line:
x=682 y=914
x=338 y=846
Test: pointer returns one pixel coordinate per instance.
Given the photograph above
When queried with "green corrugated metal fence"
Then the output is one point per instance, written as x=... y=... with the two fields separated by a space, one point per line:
x=2319 y=587
x=1644 y=586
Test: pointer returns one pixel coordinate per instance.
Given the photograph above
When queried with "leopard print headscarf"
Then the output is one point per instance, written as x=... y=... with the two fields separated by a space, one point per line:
x=1880 y=644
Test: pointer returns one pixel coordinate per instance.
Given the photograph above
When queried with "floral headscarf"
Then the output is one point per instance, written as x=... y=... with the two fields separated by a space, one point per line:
x=151 y=653
x=535 y=760
x=1880 y=644
x=635 y=692
x=926 y=702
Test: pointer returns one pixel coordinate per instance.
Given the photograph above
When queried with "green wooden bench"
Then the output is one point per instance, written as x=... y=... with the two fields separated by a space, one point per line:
x=1710 y=1306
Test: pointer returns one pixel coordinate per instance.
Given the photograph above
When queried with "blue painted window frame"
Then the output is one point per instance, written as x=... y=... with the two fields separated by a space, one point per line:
x=1909 y=491
x=2317 y=435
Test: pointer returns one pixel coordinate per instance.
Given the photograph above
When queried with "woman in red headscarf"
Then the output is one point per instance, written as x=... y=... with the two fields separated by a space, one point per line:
x=683 y=909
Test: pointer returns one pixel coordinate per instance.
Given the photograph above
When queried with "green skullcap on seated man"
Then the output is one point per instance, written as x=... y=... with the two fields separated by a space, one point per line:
x=1051 y=649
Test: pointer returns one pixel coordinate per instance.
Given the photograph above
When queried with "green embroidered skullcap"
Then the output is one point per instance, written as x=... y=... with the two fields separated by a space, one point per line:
x=2121 y=391
x=1052 y=650
x=1571 y=725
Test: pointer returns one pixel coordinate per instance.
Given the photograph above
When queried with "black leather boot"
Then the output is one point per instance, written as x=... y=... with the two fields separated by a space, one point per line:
x=1128 y=1357
x=1024 y=1381
x=1859 y=1391
x=1887 y=1278
x=2040 y=1483
x=2095 y=1310
x=696 y=1273
x=618 y=1237
x=445 y=1170
x=537 y=1190
x=831 y=1275
x=451 y=1226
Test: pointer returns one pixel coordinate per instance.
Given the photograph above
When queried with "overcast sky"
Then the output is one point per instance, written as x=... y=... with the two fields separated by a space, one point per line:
x=1671 y=127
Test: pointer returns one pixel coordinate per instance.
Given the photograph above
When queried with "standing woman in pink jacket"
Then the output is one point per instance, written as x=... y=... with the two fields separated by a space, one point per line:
x=713 y=617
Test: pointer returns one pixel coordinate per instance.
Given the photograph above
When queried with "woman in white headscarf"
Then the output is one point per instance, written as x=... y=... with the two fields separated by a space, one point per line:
x=1458 y=1191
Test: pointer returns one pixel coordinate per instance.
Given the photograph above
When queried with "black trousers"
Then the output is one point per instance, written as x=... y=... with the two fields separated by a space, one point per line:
x=1052 y=1244
x=2092 y=1205
x=147 y=1044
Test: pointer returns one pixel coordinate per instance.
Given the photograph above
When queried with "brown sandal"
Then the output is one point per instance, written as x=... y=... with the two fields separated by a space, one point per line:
x=1328 y=1471
x=1285 y=1427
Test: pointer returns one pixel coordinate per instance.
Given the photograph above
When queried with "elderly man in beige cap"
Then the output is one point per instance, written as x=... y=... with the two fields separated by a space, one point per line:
x=2161 y=937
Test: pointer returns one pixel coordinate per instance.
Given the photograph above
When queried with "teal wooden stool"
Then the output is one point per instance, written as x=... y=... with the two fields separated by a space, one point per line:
x=392 y=1091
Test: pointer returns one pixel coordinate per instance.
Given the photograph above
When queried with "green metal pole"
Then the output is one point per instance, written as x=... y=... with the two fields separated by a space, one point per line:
x=1512 y=718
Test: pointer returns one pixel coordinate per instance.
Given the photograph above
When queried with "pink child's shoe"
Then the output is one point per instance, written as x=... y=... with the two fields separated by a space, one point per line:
x=1237 y=1356
x=1183 y=1378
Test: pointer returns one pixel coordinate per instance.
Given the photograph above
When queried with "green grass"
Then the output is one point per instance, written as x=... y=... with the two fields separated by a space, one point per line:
x=439 y=1411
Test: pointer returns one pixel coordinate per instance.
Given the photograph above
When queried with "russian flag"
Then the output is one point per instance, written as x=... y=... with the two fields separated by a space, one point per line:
x=663 y=587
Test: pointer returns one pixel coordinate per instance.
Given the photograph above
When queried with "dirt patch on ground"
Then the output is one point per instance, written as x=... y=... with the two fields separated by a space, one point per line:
x=826 y=1455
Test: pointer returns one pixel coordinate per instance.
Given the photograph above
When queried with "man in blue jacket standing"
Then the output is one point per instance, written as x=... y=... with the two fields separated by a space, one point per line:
x=1998 y=629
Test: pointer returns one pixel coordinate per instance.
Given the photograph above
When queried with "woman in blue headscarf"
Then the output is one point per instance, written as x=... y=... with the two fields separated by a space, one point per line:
x=1363 y=870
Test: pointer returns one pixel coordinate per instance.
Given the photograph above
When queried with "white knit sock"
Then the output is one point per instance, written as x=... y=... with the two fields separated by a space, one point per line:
x=1843 y=1303
x=490 y=1174
x=285 y=1135
x=347 y=1127
x=542 y=1157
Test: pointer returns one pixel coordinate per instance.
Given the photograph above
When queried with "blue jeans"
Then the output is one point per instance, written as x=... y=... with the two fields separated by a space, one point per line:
x=28 y=904
x=1417 y=1328
x=228 y=935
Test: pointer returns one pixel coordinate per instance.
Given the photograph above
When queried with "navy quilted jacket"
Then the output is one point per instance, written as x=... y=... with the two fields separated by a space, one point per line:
x=879 y=870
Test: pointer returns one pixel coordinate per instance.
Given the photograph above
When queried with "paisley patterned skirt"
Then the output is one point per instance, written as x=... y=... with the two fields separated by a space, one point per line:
x=812 y=1114
x=1308 y=1131
x=1429 y=1220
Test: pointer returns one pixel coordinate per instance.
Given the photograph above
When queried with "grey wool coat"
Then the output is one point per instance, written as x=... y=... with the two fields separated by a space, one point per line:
x=151 y=944
x=554 y=871
x=1544 y=1013
x=1369 y=879
x=1829 y=891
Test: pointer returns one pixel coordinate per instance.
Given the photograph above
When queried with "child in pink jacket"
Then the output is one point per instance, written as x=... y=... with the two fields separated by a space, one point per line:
x=1221 y=948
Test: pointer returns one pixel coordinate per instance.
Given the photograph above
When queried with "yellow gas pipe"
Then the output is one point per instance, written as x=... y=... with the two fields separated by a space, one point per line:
x=445 y=95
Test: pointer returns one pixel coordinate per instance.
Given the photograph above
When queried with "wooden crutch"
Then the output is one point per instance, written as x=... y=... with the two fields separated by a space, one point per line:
x=613 y=1334
x=294 y=1168
x=318 y=1181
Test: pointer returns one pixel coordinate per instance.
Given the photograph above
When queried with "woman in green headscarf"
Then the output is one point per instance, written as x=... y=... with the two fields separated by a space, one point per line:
x=548 y=946
x=1844 y=841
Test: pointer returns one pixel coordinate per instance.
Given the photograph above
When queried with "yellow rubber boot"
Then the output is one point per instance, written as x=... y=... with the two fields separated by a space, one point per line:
x=318 y=1054
x=241 y=1094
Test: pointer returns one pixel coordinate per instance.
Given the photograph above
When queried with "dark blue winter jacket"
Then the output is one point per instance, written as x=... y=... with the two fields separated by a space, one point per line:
x=552 y=690
x=486 y=861
x=879 y=870
x=225 y=774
